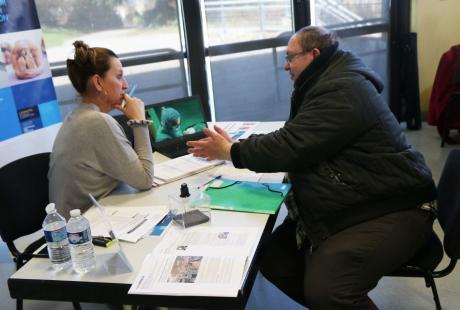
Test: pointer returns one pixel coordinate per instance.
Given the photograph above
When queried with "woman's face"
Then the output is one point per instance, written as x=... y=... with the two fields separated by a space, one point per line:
x=114 y=85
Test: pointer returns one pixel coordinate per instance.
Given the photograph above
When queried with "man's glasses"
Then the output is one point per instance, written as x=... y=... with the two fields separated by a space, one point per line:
x=290 y=57
x=4 y=49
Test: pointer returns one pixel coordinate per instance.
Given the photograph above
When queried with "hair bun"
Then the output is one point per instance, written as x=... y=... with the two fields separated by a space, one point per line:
x=83 y=53
x=80 y=44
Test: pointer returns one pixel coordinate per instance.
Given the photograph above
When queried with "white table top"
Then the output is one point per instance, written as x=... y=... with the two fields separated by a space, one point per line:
x=40 y=268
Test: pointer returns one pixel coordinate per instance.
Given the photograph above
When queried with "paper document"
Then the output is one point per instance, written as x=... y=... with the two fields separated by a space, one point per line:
x=238 y=130
x=204 y=261
x=181 y=167
x=128 y=223
x=242 y=130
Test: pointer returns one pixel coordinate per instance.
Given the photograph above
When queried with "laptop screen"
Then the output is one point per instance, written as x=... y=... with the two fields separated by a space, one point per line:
x=174 y=123
x=176 y=118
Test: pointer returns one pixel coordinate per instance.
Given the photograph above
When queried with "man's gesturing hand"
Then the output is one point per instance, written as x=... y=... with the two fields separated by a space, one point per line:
x=216 y=145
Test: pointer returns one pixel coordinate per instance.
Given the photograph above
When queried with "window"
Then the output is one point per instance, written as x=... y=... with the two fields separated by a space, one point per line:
x=362 y=26
x=246 y=45
x=146 y=35
x=242 y=56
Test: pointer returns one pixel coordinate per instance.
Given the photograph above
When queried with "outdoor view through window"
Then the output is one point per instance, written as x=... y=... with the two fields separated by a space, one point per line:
x=246 y=84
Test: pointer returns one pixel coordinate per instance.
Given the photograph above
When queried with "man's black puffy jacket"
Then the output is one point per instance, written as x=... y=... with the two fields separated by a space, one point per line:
x=345 y=153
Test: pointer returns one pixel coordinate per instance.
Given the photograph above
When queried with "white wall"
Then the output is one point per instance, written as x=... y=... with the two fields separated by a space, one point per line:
x=437 y=23
x=34 y=142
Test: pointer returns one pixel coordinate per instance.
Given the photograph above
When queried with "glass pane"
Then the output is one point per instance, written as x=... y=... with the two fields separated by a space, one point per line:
x=230 y=21
x=127 y=28
x=345 y=14
x=155 y=83
x=349 y=13
x=123 y=26
x=251 y=86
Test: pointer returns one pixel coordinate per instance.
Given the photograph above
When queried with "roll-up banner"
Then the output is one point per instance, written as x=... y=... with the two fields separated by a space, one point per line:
x=27 y=96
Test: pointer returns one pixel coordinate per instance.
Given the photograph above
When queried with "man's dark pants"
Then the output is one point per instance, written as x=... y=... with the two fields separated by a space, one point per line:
x=340 y=272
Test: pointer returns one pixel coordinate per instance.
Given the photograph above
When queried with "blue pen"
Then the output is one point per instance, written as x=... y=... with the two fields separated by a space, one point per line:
x=209 y=181
x=131 y=92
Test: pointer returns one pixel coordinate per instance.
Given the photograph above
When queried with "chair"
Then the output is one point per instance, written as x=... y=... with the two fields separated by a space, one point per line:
x=23 y=198
x=444 y=107
x=447 y=116
x=427 y=259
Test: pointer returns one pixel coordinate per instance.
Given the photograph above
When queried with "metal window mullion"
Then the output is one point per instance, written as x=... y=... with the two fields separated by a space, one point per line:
x=196 y=51
x=301 y=13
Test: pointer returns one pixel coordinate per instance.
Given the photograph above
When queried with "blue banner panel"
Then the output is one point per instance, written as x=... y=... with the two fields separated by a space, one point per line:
x=9 y=121
x=49 y=112
x=30 y=119
x=18 y=15
x=32 y=94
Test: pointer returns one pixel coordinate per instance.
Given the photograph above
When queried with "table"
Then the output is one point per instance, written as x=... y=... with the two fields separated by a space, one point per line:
x=37 y=279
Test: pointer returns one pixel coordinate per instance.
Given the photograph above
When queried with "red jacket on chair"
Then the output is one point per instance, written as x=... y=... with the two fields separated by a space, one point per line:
x=446 y=82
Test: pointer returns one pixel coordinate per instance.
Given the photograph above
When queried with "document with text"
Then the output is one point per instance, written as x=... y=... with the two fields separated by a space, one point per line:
x=181 y=167
x=128 y=223
x=203 y=261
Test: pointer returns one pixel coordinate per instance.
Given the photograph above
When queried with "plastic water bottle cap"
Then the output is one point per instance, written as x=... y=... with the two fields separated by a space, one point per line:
x=50 y=208
x=75 y=212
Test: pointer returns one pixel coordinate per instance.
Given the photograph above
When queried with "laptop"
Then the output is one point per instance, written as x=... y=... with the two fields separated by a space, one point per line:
x=174 y=122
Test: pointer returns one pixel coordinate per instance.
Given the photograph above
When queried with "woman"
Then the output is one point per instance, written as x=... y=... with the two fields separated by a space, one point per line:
x=91 y=153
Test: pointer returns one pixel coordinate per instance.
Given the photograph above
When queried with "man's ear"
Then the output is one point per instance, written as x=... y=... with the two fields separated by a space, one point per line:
x=315 y=52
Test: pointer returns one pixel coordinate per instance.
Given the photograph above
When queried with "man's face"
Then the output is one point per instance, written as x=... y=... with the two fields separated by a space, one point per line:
x=297 y=59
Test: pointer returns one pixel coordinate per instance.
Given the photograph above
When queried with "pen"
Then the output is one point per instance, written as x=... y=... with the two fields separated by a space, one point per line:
x=210 y=180
x=137 y=226
x=104 y=216
x=131 y=92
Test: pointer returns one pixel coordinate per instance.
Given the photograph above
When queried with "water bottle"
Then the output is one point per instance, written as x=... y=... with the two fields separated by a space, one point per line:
x=54 y=228
x=81 y=246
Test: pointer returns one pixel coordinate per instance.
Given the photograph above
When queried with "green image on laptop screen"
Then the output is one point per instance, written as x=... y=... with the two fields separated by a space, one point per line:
x=176 y=118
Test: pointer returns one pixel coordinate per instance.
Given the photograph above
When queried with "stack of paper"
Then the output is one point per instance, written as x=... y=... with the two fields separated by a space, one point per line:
x=205 y=261
x=181 y=167
x=128 y=223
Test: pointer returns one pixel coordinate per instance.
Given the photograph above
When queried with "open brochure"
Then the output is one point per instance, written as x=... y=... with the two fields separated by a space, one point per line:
x=238 y=130
x=128 y=223
x=242 y=130
x=204 y=261
x=181 y=167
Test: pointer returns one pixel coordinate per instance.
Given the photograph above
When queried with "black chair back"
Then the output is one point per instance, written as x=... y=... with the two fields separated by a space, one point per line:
x=449 y=204
x=23 y=196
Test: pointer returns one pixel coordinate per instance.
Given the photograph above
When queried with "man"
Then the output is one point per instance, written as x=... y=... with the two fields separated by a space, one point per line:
x=354 y=213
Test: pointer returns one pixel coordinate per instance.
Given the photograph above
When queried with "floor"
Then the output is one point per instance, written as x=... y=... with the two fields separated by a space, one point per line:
x=391 y=293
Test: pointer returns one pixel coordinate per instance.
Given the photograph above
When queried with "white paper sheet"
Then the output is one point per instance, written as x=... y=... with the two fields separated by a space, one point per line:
x=128 y=223
x=181 y=167
x=205 y=261
x=236 y=130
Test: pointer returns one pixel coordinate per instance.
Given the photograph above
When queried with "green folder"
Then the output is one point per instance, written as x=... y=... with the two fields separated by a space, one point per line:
x=247 y=196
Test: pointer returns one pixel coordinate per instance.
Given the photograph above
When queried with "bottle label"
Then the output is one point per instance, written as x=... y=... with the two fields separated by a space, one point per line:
x=79 y=237
x=55 y=235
